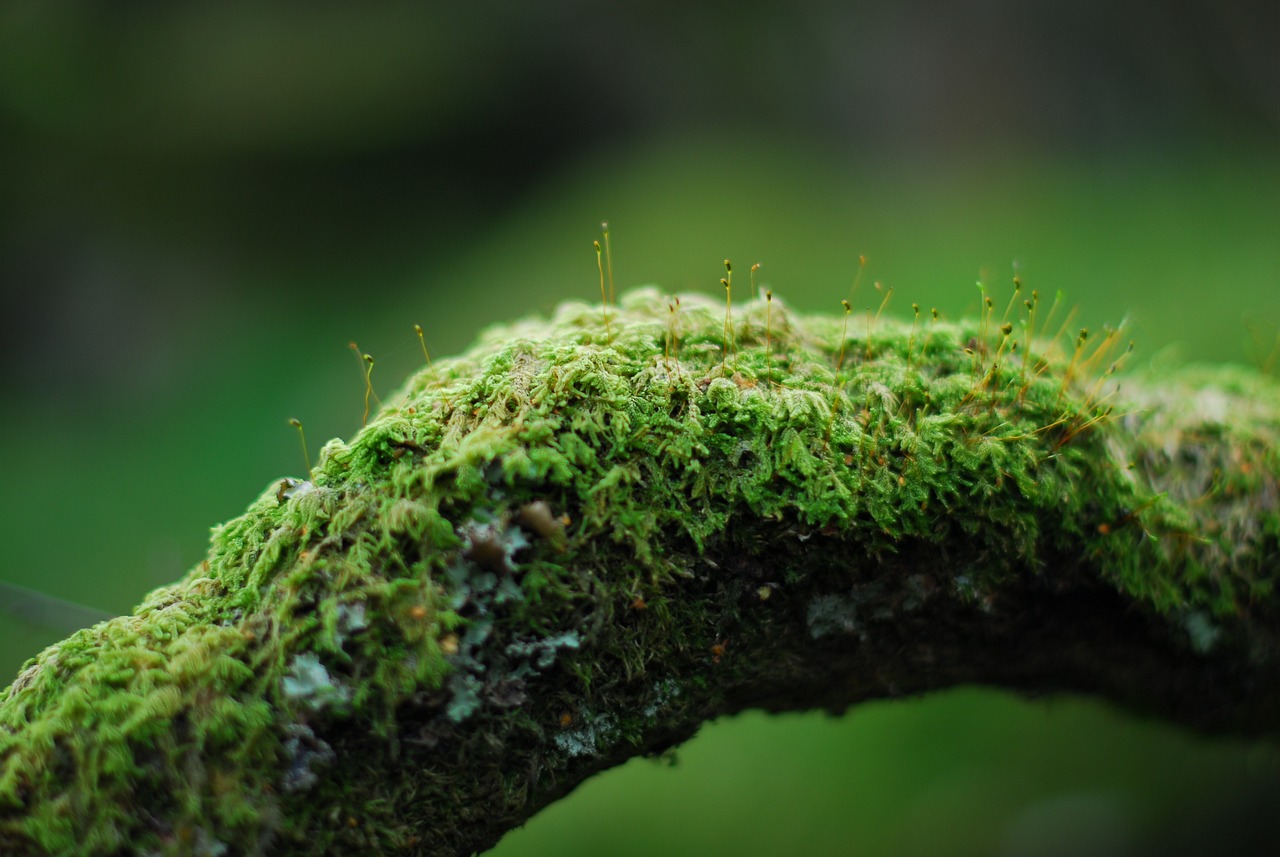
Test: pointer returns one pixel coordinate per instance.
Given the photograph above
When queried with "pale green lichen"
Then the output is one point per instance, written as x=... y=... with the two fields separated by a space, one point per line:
x=309 y=683
x=411 y=648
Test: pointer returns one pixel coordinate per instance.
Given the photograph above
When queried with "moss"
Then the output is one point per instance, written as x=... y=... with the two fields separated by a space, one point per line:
x=570 y=545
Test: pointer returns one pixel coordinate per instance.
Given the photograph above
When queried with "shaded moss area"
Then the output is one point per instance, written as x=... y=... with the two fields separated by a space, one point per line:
x=580 y=540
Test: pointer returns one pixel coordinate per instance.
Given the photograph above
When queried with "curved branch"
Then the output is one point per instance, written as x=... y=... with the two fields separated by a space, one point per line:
x=574 y=546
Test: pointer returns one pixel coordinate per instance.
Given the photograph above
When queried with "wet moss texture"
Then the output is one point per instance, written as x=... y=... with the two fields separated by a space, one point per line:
x=579 y=540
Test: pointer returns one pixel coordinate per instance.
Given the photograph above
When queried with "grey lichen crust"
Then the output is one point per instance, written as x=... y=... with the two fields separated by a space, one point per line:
x=581 y=539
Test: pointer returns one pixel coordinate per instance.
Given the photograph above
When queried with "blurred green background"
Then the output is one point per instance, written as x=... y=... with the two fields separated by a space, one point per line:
x=200 y=205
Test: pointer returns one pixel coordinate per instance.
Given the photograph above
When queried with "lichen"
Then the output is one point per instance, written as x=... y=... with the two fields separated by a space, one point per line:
x=309 y=683
x=832 y=614
x=575 y=542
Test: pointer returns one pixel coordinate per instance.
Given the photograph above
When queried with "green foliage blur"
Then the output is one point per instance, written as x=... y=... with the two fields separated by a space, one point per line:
x=200 y=206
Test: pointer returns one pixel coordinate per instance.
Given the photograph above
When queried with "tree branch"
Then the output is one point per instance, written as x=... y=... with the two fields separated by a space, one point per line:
x=576 y=543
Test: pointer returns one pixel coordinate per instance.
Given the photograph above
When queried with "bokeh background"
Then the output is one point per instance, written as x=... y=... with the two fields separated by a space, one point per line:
x=202 y=204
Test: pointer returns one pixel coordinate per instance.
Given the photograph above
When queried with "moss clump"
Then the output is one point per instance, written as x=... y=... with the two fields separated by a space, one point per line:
x=574 y=543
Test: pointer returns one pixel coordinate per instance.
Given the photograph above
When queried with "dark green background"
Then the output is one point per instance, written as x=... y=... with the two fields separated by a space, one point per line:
x=200 y=207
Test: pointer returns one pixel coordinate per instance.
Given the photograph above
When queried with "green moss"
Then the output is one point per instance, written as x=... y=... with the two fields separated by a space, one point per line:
x=529 y=557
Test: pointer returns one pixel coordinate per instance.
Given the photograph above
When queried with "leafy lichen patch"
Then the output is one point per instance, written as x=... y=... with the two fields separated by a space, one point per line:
x=570 y=545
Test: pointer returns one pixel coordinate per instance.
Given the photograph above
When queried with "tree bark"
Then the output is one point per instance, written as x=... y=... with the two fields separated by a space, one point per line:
x=580 y=540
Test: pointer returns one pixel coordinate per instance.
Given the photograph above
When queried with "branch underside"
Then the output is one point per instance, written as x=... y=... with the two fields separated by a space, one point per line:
x=883 y=637
x=565 y=550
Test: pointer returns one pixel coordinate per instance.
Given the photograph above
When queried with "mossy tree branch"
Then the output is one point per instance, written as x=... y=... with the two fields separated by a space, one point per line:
x=577 y=542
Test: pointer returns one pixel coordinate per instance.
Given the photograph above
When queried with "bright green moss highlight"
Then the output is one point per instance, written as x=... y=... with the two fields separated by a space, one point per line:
x=420 y=590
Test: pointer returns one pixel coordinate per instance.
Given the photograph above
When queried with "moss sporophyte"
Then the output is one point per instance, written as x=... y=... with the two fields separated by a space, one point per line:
x=588 y=534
